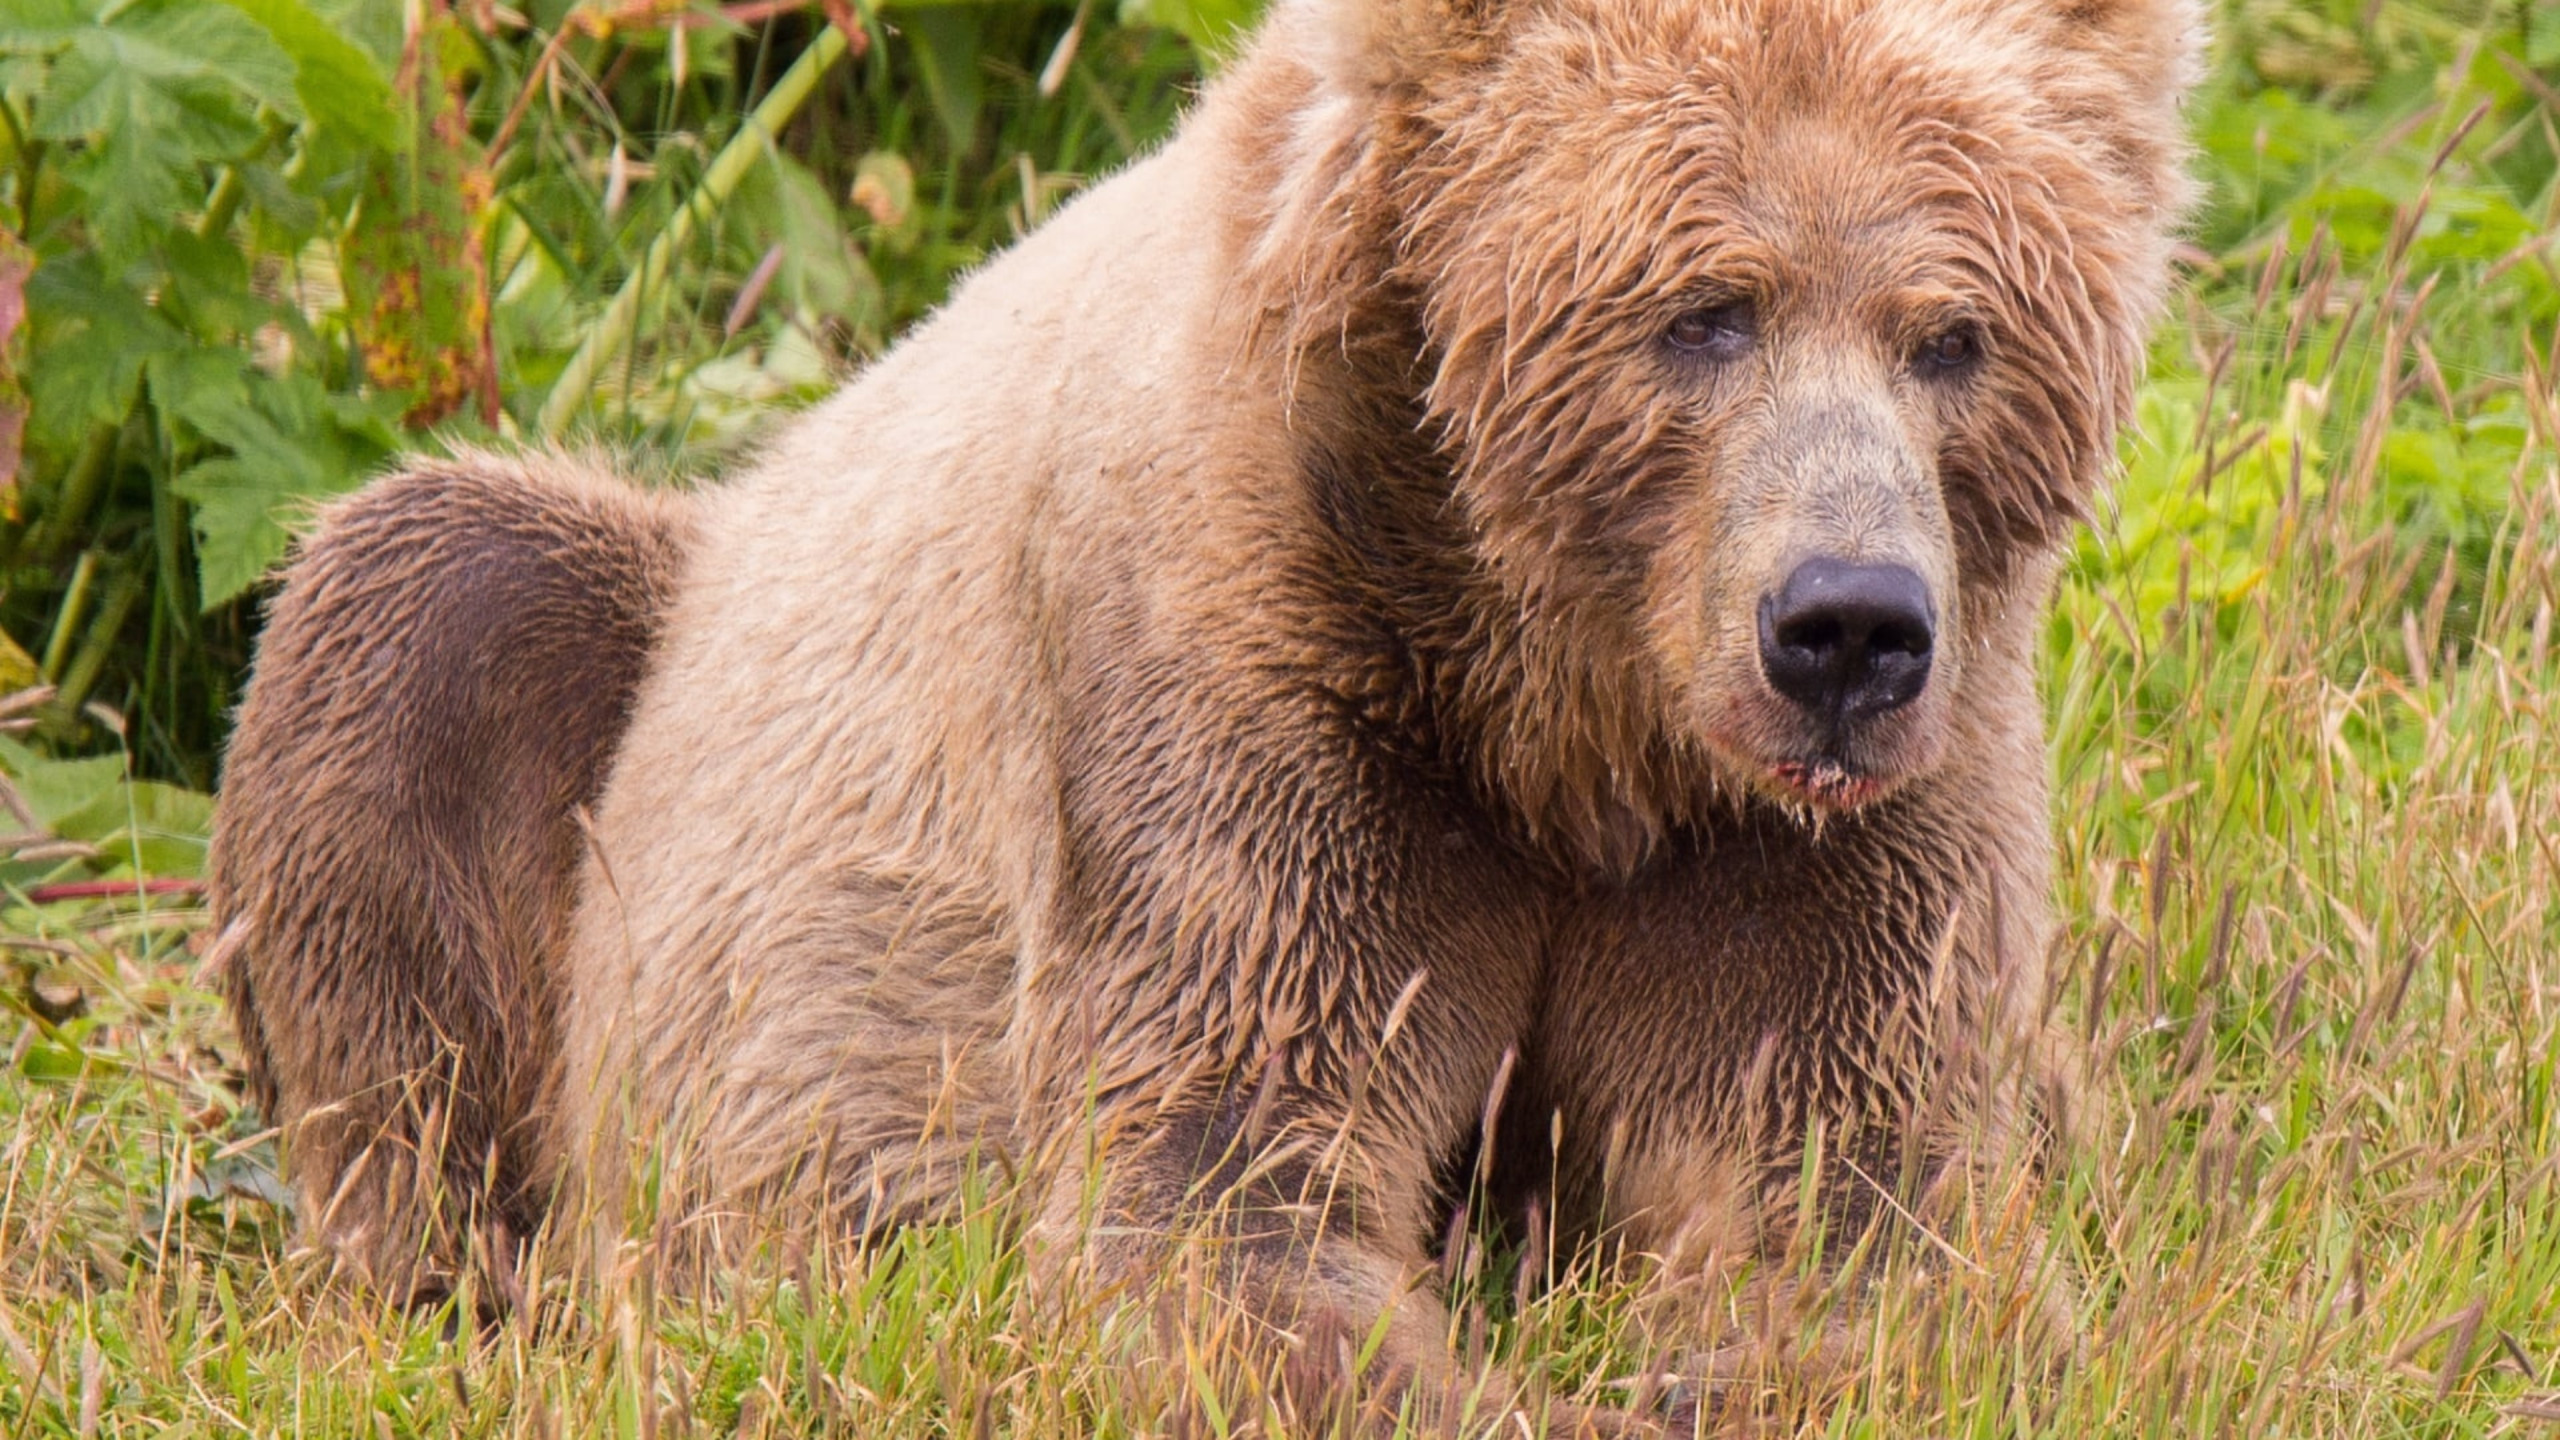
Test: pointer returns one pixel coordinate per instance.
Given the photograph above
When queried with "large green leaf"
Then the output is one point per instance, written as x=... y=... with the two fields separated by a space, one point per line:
x=148 y=96
x=153 y=828
x=95 y=338
x=53 y=788
x=340 y=86
x=40 y=27
x=291 y=443
x=781 y=203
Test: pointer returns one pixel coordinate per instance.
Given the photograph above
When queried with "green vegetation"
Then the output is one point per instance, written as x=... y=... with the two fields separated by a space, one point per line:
x=272 y=243
x=2303 y=677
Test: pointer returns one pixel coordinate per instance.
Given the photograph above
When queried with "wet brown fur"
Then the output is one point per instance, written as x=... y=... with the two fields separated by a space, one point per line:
x=403 y=834
x=1263 y=681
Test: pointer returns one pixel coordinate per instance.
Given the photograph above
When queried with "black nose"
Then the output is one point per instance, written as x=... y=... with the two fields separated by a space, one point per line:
x=1847 y=640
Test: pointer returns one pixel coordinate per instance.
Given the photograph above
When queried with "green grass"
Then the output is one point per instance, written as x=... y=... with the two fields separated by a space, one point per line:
x=2305 y=691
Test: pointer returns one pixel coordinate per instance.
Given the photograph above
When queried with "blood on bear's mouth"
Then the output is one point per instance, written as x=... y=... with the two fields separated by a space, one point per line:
x=1821 y=780
x=1826 y=784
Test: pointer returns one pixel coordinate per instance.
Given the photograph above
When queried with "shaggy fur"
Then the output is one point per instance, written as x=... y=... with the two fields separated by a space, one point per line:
x=400 y=854
x=1268 y=680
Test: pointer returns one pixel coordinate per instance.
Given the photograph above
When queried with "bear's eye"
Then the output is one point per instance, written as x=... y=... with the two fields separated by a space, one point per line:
x=1713 y=332
x=1951 y=351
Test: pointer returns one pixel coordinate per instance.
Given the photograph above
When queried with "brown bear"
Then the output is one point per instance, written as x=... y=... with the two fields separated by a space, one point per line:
x=1476 y=607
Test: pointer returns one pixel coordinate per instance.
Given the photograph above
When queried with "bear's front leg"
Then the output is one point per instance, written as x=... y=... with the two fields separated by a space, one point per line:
x=1286 y=1252
x=1274 y=989
x=1277 y=1243
x=1778 y=1023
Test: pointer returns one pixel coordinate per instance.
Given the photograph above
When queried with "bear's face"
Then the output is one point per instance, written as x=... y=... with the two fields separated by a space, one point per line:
x=1772 y=372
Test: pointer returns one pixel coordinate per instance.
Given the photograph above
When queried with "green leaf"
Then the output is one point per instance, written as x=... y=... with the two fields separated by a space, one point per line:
x=147 y=99
x=142 y=825
x=340 y=86
x=112 y=71
x=239 y=532
x=209 y=290
x=144 y=806
x=287 y=208
x=48 y=1063
x=947 y=44
x=213 y=41
x=89 y=92
x=95 y=338
x=133 y=196
x=40 y=27
x=153 y=828
x=780 y=202
x=1208 y=24
x=207 y=387
x=53 y=788
x=2542 y=37
x=291 y=443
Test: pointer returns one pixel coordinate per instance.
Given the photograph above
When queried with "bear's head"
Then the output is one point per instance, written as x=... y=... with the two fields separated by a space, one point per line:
x=1771 y=347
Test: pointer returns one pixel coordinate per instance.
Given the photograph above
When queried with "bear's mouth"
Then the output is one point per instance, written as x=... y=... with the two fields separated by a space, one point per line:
x=1826 y=784
x=1818 y=775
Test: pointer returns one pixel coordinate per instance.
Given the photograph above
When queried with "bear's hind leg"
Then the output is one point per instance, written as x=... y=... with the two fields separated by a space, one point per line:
x=442 y=684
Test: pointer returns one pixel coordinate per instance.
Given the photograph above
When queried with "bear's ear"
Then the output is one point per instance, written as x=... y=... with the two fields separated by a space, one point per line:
x=1365 y=48
x=2123 y=73
x=2155 y=47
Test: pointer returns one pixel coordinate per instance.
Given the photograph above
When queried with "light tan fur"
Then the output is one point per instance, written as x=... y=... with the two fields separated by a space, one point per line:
x=1272 y=658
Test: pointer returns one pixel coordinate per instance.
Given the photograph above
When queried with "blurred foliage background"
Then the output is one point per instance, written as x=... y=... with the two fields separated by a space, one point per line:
x=249 y=249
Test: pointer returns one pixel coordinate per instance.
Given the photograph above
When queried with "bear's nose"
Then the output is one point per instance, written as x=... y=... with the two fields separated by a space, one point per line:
x=1847 y=640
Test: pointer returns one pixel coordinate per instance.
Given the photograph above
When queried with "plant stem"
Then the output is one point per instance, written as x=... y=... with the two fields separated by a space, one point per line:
x=224 y=202
x=122 y=592
x=613 y=329
x=66 y=620
x=60 y=524
x=221 y=204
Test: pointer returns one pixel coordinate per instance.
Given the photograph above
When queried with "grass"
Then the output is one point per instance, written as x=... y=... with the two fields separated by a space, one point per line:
x=2305 y=693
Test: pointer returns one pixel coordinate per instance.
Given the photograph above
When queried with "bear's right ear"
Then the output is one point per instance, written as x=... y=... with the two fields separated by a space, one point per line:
x=1327 y=226
x=2157 y=46
x=2133 y=62
x=1365 y=49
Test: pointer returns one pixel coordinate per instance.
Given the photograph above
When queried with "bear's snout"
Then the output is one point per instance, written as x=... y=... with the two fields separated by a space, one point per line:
x=1848 y=641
